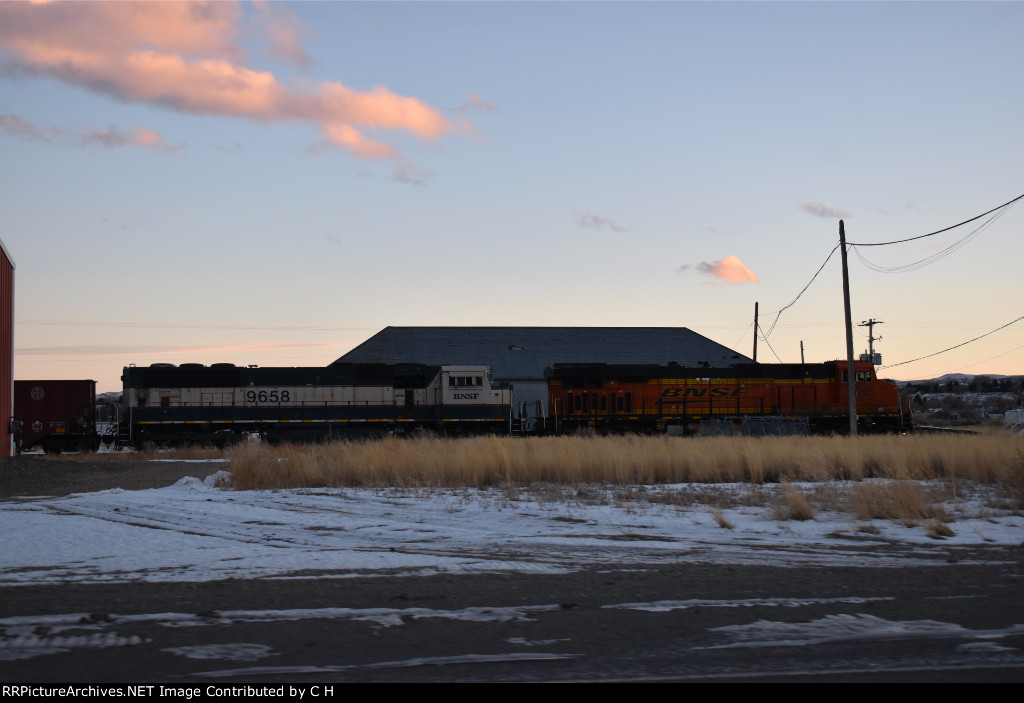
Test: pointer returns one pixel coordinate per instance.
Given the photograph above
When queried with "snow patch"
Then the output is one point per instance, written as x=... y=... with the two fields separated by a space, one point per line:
x=399 y=664
x=238 y=651
x=664 y=606
x=197 y=531
x=847 y=628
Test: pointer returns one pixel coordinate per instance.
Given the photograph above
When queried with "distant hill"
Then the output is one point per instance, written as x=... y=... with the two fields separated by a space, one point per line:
x=961 y=377
x=957 y=398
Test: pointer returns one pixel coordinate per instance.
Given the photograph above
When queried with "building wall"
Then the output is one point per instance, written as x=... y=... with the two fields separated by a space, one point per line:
x=6 y=350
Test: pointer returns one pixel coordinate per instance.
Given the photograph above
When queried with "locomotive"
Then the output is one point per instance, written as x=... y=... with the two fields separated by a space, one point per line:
x=168 y=404
x=220 y=403
x=677 y=399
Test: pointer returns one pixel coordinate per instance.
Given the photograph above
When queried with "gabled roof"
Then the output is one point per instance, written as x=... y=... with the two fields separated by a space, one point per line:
x=524 y=352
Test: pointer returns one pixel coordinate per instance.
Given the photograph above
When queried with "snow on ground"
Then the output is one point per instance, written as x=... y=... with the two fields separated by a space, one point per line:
x=200 y=530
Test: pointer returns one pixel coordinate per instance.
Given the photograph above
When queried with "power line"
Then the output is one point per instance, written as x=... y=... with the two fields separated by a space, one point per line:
x=932 y=234
x=991 y=358
x=743 y=334
x=770 y=346
x=764 y=335
x=999 y=212
x=902 y=268
x=928 y=356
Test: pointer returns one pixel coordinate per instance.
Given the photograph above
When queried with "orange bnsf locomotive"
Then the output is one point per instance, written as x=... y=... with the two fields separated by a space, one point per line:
x=648 y=398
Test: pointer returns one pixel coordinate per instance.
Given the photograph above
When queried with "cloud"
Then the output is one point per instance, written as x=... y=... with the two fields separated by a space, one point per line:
x=730 y=270
x=111 y=137
x=135 y=136
x=475 y=103
x=408 y=172
x=186 y=57
x=284 y=31
x=15 y=126
x=822 y=210
x=598 y=222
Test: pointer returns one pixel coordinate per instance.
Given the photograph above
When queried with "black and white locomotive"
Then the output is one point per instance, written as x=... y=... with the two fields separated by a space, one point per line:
x=168 y=404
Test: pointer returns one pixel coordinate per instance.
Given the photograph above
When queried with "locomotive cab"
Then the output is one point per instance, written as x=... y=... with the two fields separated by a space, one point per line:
x=469 y=394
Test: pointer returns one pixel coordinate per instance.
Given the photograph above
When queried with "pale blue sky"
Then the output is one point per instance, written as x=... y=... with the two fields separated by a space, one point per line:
x=612 y=149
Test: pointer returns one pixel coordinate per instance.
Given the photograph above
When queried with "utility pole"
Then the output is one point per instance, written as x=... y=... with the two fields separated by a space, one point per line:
x=755 y=332
x=870 y=324
x=801 y=351
x=851 y=375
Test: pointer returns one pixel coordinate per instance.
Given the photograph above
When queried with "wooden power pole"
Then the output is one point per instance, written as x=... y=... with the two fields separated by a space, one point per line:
x=851 y=375
x=755 y=332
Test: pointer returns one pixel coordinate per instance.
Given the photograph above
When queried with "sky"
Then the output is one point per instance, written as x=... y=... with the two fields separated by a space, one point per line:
x=273 y=183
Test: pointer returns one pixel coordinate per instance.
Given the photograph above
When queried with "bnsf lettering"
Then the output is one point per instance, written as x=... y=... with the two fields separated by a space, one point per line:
x=726 y=392
x=465 y=396
x=722 y=392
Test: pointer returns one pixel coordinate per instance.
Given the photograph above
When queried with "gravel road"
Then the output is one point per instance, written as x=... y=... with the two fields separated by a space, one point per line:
x=58 y=476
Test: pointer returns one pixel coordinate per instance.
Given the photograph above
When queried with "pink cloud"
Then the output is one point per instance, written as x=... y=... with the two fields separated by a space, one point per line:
x=185 y=56
x=134 y=136
x=350 y=137
x=148 y=139
x=730 y=269
x=110 y=137
x=285 y=32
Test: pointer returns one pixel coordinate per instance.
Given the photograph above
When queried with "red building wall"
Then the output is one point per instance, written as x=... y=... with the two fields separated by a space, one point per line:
x=6 y=349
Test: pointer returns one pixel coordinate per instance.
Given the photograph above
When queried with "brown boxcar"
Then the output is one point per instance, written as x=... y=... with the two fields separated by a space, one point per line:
x=656 y=398
x=56 y=416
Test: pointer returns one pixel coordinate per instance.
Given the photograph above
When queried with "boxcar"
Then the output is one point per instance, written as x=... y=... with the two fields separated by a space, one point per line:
x=56 y=416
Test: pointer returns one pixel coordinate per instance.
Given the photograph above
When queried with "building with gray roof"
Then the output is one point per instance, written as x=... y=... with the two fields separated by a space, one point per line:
x=519 y=355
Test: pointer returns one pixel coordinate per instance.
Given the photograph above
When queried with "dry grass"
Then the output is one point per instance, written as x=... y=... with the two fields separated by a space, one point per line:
x=891 y=500
x=720 y=519
x=797 y=506
x=906 y=479
x=939 y=530
x=630 y=460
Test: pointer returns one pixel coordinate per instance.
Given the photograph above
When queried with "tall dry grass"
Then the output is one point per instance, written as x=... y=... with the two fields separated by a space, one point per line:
x=496 y=461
